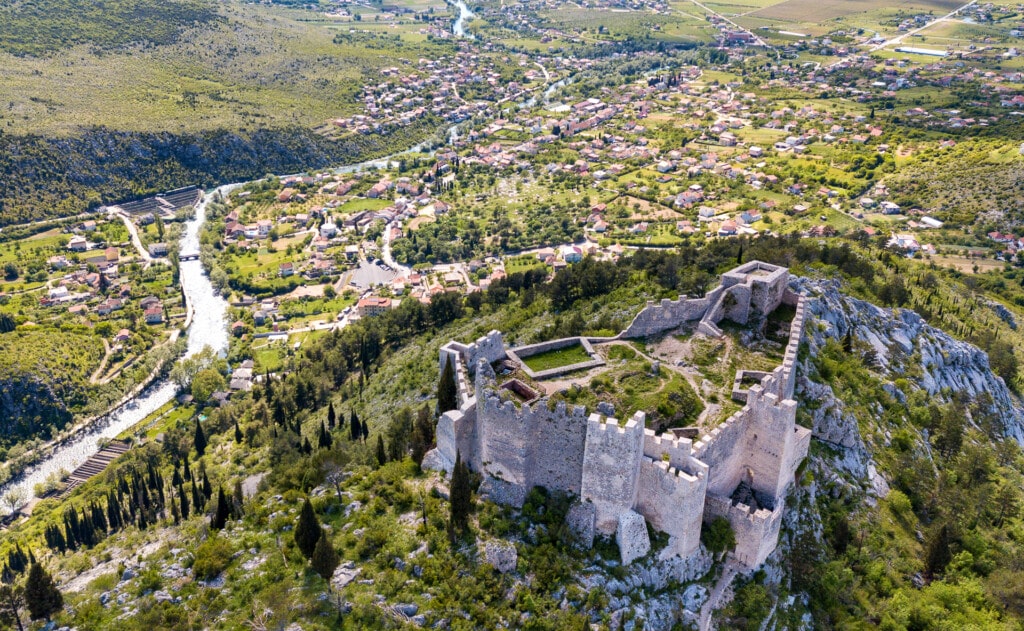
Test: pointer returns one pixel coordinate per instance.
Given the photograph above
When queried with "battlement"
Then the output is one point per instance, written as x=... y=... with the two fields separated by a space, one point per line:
x=624 y=470
x=679 y=451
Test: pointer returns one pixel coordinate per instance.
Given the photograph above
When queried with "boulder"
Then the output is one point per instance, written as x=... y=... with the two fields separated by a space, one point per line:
x=502 y=555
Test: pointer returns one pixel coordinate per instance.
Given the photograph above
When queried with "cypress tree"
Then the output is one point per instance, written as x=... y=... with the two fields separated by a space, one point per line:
x=355 y=428
x=207 y=487
x=238 y=433
x=184 y=502
x=237 y=500
x=447 y=392
x=325 y=558
x=42 y=596
x=939 y=554
x=220 y=517
x=306 y=447
x=307 y=530
x=460 y=496
x=324 y=439
x=332 y=419
x=199 y=441
x=365 y=431
x=381 y=456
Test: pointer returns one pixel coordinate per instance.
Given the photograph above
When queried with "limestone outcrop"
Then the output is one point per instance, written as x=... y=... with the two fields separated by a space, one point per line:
x=906 y=346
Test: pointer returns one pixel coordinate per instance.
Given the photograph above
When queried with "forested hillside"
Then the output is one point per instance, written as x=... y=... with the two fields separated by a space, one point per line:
x=906 y=515
x=51 y=177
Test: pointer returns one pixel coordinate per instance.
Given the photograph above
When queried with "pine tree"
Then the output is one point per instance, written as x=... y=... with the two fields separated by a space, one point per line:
x=199 y=442
x=447 y=392
x=325 y=558
x=460 y=496
x=42 y=596
x=220 y=517
x=381 y=456
x=332 y=419
x=238 y=433
x=307 y=530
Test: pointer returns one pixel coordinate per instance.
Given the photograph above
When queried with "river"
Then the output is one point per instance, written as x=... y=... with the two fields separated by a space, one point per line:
x=459 y=27
x=208 y=328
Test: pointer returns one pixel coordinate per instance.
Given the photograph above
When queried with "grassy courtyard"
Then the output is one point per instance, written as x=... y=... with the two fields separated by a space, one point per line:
x=557 y=358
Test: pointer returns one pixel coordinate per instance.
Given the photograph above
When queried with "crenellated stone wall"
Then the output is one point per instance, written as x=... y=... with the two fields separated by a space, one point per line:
x=752 y=289
x=622 y=471
x=611 y=467
x=673 y=501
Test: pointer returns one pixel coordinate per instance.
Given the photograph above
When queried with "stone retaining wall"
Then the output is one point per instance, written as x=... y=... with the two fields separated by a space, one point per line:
x=519 y=354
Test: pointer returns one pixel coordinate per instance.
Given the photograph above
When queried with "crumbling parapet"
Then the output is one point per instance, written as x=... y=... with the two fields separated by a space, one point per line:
x=756 y=530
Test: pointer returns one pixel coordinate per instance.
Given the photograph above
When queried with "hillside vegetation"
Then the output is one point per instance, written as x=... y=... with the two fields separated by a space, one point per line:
x=43 y=26
x=210 y=513
x=214 y=94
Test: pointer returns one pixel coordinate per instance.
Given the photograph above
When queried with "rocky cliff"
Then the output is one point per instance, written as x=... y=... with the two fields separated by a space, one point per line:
x=904 y=346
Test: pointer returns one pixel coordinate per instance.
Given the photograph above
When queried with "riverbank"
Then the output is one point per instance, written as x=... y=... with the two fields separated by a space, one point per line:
x=205 y=325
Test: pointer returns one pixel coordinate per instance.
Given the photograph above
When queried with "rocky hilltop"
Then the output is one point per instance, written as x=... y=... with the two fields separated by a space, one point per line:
x=904 y=346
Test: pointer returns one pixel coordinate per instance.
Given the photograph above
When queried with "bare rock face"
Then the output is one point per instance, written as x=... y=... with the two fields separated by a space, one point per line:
x=631 y=535
x=502 y=555
x=580 y=521
x=905 y=345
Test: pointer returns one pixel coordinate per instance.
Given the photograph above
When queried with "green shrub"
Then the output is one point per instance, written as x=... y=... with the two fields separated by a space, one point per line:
x=212 y=558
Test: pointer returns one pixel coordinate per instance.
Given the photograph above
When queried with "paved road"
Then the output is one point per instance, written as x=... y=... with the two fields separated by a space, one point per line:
x=896 y=40
x=757 y=40
x=136 y=241
x=385 y=252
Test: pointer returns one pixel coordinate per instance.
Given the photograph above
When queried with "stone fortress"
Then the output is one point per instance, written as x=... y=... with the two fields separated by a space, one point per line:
x=622 y=473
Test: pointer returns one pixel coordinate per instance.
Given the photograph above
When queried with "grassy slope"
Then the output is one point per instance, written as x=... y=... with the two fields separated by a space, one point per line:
x=251 y=66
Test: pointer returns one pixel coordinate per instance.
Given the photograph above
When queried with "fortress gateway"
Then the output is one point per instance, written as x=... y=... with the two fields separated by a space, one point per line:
x=623 y=473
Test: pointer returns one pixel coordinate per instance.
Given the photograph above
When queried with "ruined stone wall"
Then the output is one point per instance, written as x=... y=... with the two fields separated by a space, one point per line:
x=669 y=314
x=796 y=332
x=718 y=451
x=673 y=502
x=736 y=304
x=504 y=435
x=490 y=347
x=557 y=440
x=611 y=467
x=767 y=445
x=522 y=352
x=757 y=532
